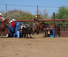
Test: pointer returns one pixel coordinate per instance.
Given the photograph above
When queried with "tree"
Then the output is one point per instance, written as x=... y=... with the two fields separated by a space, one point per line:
x=18 y=14
x=62 y=13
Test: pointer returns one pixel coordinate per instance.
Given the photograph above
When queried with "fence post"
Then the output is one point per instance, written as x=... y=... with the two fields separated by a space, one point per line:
x=6 y=11
x=37 y=13
x=53 y=24
x=37 y=9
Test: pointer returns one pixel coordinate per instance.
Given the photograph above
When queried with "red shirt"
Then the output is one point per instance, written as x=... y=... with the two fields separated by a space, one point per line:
x=12 y=24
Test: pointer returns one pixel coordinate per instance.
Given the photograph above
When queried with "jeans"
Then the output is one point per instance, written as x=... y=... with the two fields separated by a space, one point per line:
x=13 y=30
x=34 y=24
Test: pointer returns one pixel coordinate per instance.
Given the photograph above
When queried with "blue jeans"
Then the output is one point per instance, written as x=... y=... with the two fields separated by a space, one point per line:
x=34 y=24
x=13 y=30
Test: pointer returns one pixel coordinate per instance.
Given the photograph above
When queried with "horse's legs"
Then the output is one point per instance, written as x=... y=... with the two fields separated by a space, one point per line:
x=45 y=34
x=21 y=35
x=27 y=35
x=33 y=31
x=30 y=35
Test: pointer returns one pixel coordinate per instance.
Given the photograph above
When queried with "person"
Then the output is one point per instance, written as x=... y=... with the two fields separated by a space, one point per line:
x=35 y=20
x=1 y=18
x=13 y=26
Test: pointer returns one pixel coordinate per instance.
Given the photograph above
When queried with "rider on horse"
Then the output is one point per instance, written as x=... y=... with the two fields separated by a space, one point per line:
x=1 y=17
x=35 y=20
x=37 y=25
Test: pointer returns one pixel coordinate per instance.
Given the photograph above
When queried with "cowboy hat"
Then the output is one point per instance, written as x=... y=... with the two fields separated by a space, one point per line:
x=10 y=21
x=35 y=16
x=0 y=13
x=13 y=20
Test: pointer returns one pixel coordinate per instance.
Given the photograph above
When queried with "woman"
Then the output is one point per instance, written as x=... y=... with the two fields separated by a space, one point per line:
x=1 y=18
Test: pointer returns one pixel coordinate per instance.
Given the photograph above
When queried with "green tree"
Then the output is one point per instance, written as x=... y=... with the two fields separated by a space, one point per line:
x=62 y=13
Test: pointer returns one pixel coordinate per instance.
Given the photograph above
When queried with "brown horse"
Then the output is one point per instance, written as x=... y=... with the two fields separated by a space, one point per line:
x=37 y=27
x=47 y=27
x=57 y=29
x=3 y=25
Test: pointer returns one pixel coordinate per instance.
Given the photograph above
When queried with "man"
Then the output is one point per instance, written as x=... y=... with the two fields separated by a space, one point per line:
x=35 y=20
x=13 y=26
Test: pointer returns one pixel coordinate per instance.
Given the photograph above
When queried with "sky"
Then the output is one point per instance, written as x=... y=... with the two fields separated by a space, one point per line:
x=31 y=5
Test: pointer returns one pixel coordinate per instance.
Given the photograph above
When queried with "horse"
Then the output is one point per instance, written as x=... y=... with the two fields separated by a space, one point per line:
x=26 y=29
x=3 y=25
x=45 y=29
x=37 y=27
x=57 y=28
x=44 y=25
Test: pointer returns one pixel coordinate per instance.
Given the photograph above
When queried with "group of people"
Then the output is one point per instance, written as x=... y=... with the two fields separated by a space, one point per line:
x=13 y=24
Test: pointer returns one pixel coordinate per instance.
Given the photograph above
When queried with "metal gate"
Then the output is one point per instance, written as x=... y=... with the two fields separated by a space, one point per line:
x=64 y=31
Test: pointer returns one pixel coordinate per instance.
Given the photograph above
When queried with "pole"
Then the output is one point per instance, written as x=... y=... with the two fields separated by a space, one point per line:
x=37 y=9
x=53 y=24
x=6 y=11
x=37 y=12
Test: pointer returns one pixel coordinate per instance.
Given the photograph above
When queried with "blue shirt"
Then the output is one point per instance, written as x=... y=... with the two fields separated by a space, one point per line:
x=35 y=20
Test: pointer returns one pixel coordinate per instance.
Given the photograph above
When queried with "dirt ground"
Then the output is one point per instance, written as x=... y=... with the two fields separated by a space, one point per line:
x=38 y=46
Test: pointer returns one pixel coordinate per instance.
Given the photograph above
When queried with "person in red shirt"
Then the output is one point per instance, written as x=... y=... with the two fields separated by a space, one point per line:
x=13 y=26
x=12 y=23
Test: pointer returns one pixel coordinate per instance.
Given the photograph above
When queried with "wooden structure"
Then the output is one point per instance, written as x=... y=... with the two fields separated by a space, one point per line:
x=63 y=30
x=41 y=20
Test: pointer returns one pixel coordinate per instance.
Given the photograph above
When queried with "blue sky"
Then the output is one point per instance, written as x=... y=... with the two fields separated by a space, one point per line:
x=50 y=5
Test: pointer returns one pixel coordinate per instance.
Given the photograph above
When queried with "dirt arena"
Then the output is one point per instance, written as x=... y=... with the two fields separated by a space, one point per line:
x=38 y=46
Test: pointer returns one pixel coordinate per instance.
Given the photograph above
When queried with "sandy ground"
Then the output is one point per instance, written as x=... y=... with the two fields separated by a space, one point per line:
x=38 y=46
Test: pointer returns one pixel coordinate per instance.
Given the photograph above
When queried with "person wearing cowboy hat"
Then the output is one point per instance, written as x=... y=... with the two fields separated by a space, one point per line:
x=35 y=20
x=13 y=26
x=1 y=17
x=13 y=22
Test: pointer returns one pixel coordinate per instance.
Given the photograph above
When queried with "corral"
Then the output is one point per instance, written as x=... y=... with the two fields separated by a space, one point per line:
x=63 y=32
x=38 y=46
x=63 y=28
